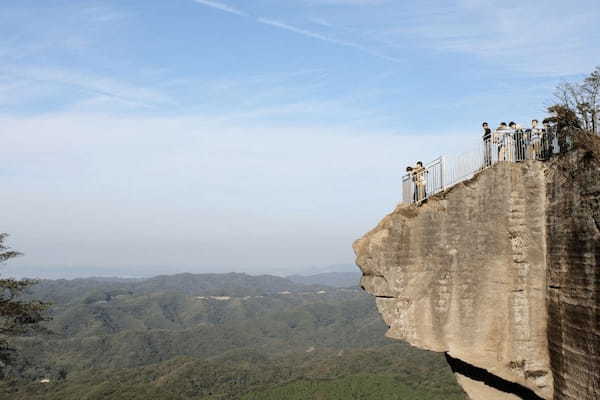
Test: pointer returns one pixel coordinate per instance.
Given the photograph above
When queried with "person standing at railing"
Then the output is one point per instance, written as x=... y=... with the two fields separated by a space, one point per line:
x=487 y=145
x=411 y=184
x=519 y=142
x=534 y=150
x=548 y=138
x=420 y=180
x=502 y=139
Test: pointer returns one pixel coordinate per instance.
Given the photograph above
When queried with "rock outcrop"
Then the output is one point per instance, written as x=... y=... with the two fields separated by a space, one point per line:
x=502 y=273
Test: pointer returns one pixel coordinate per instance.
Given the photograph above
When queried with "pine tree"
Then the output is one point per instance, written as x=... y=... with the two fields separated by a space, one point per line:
x=17 y=316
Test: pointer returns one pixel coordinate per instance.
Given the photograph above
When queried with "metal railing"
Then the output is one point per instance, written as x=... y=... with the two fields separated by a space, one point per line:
x=501 y=146
x=423 y=182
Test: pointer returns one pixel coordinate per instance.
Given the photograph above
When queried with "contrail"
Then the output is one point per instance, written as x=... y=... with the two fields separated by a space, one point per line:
x=296 y=30
x=314 y=35
x=222 y=7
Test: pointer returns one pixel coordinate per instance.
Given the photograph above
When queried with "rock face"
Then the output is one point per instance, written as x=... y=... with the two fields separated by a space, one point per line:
x=502 y=273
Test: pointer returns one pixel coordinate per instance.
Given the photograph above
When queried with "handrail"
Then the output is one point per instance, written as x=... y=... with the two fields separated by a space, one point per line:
x=502 y=146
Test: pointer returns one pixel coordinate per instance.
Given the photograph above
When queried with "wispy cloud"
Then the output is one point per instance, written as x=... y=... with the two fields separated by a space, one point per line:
x=222 y=7
x=510 y=35
x=94 y=85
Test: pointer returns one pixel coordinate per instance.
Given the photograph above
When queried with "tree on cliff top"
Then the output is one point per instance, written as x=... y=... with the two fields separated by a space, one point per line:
x=563 y=117
x=16 y=316
x=579 y=102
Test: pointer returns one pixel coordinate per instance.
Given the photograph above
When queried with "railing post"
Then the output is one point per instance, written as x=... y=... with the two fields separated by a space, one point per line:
x=442 y=161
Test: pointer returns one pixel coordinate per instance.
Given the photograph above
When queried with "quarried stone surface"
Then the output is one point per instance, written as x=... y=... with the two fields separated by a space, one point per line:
x=573 y=227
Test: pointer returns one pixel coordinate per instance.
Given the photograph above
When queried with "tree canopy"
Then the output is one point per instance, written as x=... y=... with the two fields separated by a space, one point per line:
x=578 y=104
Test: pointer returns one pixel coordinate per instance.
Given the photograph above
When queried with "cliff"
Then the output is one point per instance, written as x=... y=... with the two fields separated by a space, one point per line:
x=502 y=273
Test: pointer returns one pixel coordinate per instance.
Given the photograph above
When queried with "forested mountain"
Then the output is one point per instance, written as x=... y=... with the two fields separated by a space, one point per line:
x=215 y=336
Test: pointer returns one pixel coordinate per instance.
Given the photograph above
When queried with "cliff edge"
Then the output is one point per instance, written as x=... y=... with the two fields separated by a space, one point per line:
x=501 y=273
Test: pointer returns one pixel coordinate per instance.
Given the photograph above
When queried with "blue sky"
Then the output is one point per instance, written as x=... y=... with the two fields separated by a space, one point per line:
x=257 y=136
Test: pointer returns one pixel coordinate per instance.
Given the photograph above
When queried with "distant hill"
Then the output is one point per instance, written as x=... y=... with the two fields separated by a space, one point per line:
x=332 y=279
x=231 y=284
x=127 y=323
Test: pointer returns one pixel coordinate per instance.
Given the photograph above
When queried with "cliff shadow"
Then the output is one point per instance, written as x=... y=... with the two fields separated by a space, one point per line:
x=481 y=375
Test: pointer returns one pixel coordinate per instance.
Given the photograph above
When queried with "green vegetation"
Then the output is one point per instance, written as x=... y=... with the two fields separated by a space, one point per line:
x=271 y=339
x=363 y=386
x=390 y=372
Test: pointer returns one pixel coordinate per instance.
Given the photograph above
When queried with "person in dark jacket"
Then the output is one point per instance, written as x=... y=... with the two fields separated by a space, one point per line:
x=487 y=145
x=519 y=145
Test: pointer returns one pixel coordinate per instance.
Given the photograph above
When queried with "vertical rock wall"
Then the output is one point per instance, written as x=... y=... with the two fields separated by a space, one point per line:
x=573 y=227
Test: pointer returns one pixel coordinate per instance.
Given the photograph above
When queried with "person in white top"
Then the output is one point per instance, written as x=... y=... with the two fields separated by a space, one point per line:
x=535 y=142
x=502 y=139
x=420 y=174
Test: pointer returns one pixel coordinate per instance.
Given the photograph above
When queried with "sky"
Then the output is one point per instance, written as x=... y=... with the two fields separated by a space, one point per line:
x=265 y=136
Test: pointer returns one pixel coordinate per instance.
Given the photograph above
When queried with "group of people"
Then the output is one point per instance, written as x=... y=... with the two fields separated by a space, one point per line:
x=508 y=142
x=513 y=143
x=418 y=176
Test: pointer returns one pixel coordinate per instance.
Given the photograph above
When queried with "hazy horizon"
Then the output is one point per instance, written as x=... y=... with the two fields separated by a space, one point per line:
x=138 y=272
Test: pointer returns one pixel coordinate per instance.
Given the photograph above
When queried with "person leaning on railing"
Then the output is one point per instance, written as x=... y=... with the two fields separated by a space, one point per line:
x=420 y=179
x=503 y=140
